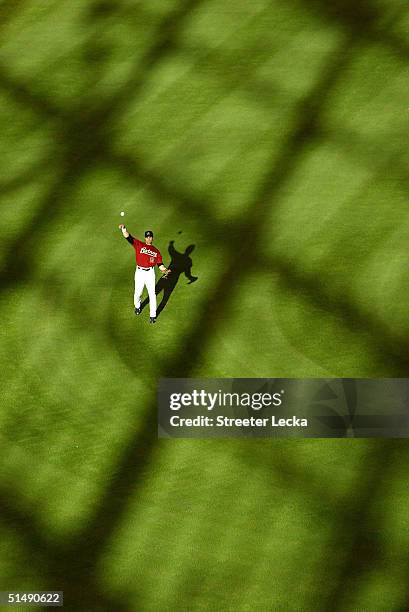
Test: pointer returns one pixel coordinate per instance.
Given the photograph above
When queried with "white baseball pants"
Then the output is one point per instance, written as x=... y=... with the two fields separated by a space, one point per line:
x=142 y=278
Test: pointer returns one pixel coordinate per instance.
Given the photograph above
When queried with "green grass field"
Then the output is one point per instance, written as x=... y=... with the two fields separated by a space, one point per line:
x=272 y=136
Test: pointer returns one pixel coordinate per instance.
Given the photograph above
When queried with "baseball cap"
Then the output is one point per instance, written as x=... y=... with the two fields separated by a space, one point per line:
x=148 y=233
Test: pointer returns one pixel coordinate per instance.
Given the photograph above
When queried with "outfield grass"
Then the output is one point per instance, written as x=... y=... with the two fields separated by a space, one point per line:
x=271 y=135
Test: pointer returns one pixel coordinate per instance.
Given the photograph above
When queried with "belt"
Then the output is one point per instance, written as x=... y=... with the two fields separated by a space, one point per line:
x=146 y=269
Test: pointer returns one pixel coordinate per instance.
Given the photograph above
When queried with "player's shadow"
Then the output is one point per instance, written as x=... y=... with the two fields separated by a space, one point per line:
x=180 y=263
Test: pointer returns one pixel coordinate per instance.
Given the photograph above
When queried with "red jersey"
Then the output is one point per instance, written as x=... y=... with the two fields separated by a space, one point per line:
x=147 y=256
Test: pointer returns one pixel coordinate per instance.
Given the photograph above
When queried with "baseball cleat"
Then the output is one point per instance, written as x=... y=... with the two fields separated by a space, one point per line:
x=152 y=320
x=138 y=311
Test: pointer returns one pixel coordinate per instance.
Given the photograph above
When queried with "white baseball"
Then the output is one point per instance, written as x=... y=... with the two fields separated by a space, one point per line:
x=122 y=214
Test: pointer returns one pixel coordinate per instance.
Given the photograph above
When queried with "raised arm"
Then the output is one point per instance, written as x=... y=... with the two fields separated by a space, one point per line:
x=126 y=234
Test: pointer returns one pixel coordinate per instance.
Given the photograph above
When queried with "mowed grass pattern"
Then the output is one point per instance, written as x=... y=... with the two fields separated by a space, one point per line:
x=271 y=135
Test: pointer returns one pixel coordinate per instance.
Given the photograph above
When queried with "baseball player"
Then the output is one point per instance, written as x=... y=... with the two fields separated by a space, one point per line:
x=147 y=257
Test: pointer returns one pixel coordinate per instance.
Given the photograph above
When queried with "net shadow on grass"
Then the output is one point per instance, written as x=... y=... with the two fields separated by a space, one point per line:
x=102 y=9
x=352 y=548
x=17 y=261
x=24 y=178
x=165 y=43
x=139 y=454
x=363 y=19
x=358 y=16
x=57 y=565
x=356 y=534
x=386 y=163
x=79 y=560
x=391 y=353
x=8 y=11
x=134 y=462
